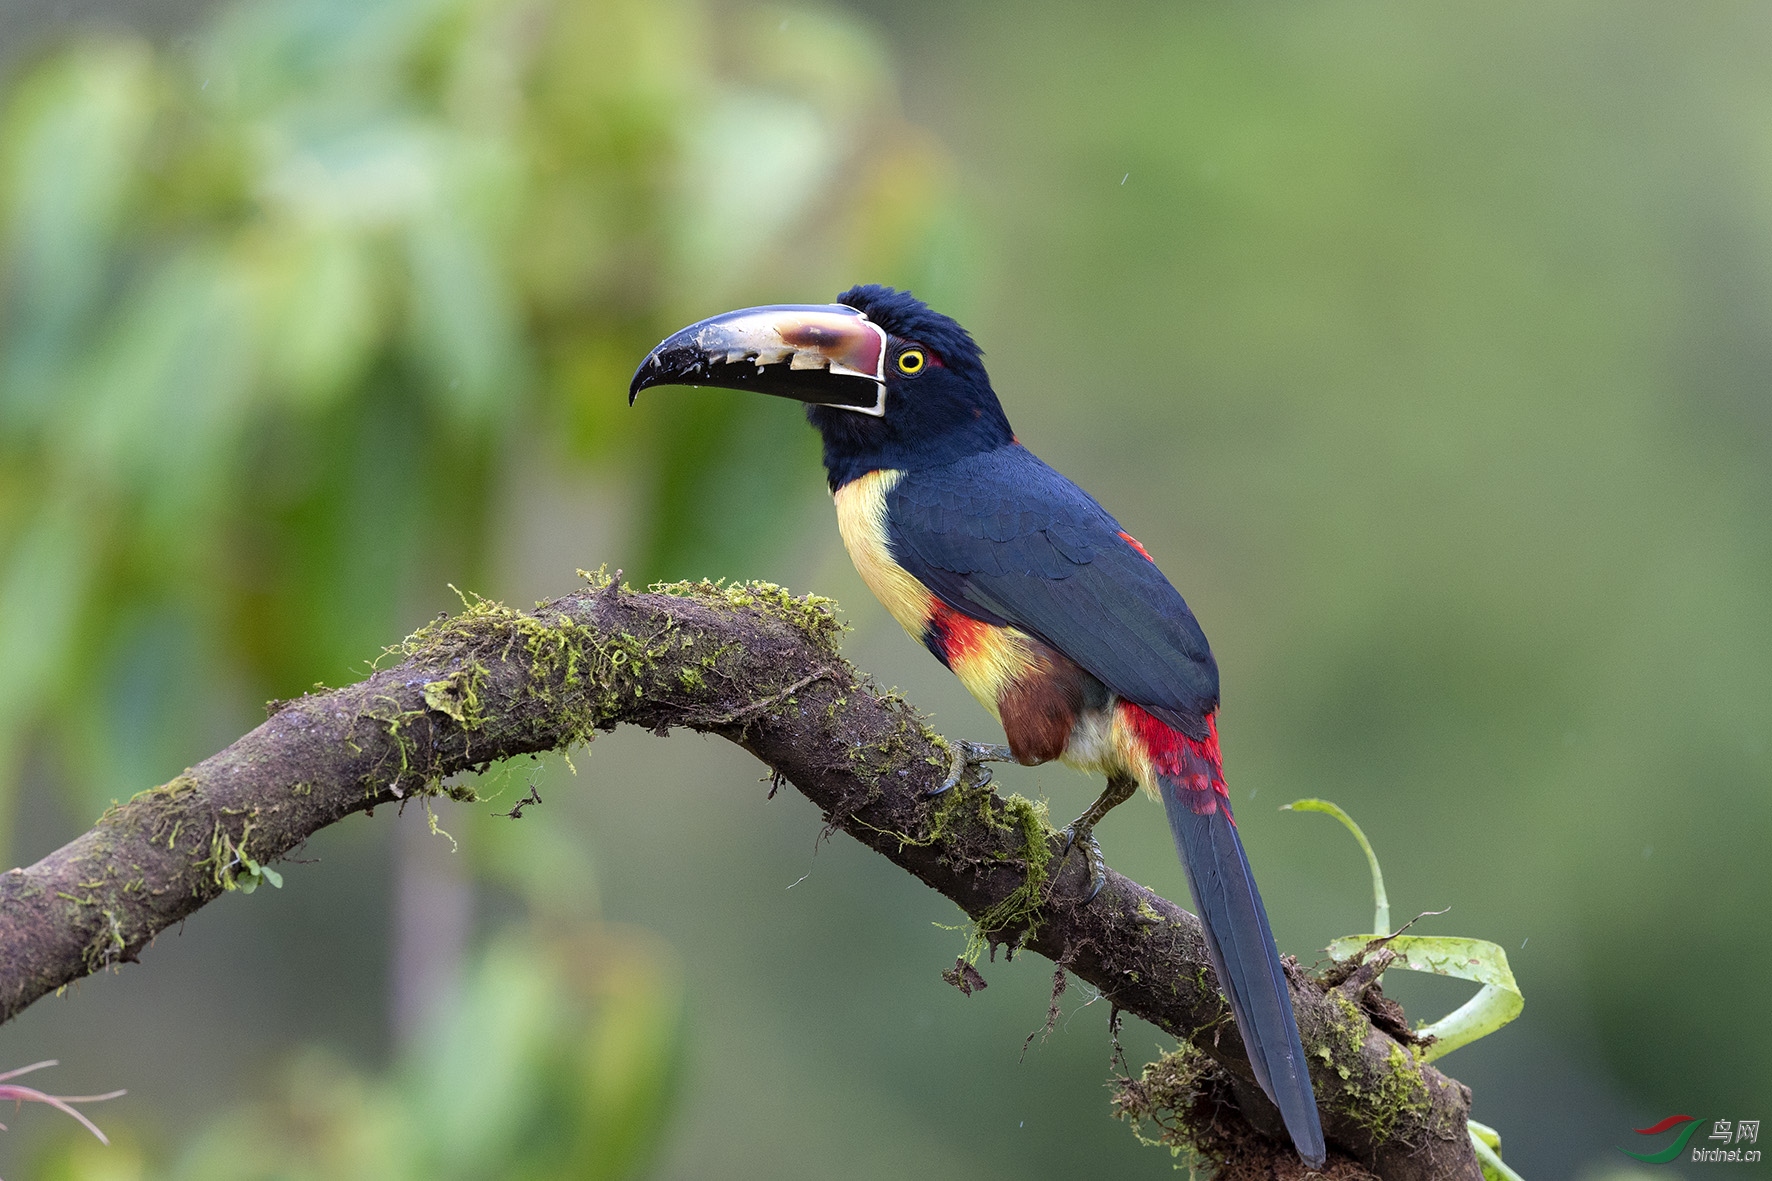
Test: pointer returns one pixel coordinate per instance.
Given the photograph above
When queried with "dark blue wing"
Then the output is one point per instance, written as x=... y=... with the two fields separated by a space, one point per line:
x=1006 y=539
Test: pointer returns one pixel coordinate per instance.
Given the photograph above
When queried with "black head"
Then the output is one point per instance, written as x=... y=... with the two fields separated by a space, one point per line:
x=889 y=383
x=939 y=401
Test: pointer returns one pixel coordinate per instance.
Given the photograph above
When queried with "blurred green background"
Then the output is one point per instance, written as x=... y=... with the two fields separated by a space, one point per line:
x=1427 y=347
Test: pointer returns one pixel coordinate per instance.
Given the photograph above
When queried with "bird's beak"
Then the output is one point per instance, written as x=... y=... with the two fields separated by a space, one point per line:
x=827 y=354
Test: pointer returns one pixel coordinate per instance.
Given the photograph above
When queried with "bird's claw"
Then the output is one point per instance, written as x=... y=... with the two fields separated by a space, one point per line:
x=1081 y=831
x=971 y=754
x=1080 y=834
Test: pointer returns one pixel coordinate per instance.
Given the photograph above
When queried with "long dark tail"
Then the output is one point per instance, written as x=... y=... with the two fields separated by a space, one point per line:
x=1244 y=955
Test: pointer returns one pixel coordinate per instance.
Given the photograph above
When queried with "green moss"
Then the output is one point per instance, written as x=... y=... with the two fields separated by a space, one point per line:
x=457 y=695
x=173 y=789
x=572 y=665
x=1377 y=1098
x=161 y=805
x=1187 y=1103
x=227 y=855
x=583 y=677
x=557 y=649
x=1020 y=911
x=396 y=721
x=1169 y=1104
x=813 y=615
x=1339 y=1042
x=965 y=823
x=1397 y=1094
x=961 y=805
x=438 y=830
x=106 y=945
x=894 y=752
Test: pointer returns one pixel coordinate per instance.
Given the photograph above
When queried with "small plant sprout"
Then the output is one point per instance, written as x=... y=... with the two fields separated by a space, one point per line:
x=1496 y=1003
x=65 y=1103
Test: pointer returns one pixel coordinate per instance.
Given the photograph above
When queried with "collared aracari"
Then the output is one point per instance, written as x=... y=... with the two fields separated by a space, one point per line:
x=1053 y=616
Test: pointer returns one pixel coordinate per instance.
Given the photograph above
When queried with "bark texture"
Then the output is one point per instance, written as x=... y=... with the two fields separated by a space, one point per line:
x=760 y=668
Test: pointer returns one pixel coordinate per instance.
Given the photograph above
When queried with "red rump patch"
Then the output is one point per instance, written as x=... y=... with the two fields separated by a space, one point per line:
x=1144 y=553
x=1191 y=768
x=953 y=636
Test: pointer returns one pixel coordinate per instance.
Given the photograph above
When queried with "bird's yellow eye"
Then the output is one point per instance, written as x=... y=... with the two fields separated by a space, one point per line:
x=910 y=362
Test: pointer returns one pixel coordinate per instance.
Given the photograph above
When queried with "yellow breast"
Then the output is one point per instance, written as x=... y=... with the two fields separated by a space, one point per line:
x=987 y=659
x=861 y=518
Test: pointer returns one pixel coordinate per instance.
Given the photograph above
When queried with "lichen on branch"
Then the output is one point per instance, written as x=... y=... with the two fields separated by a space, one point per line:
x=753 y=664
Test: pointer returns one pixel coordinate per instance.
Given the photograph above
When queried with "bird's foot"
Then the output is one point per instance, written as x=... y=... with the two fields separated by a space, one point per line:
x=1078 y=833
x=972 y=754
x=1081 y=831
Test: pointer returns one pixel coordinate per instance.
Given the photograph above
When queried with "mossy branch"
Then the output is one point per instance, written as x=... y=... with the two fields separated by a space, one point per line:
x=760 y=668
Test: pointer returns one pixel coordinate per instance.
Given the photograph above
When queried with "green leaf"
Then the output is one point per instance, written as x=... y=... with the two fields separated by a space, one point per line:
x=1381 y=906
x=1487 y=1143
x=1496 y=1003
x=44 y=588
x=68 y=149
